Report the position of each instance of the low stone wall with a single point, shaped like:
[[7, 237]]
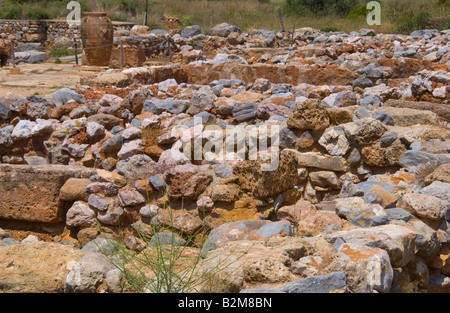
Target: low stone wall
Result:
[[44, 30]]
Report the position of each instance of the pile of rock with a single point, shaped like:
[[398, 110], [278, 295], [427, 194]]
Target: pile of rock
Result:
[[357, 200]]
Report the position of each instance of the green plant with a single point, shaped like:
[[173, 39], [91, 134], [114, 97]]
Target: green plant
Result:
[[419, 21], [57, 53], [165, 266], [187, 20], [329, 29], [37, 14], [12, 12], [358, 12], [320, 7]]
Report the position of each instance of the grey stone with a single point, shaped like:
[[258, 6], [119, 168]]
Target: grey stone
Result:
[[244, 112], [362, 82], [334, 282], [30, 239], [202, 101], [131, 133], [387, 139], [354, 158], [384, 117], [157, 181], [105, 246], [223, 30], [31, 56], [335, 142], [159, 32], [155, 106], [77, 151], [101, 203], [287, 138], [349, 190], [273, 229], [112, 216], [149, 211], [371, 101], [223, 170], [130, 197], [362, 113], [439, 190], [228, 58], [362, 214], [367, 32], [412, 159], [398, 214], [325, 179], [191, 31], [35, 160], [22, 130], [64, 95], [95, 131], [205, 116], [176, 106], [166, 239], [5, 134], [80, 214], [138, 166], [9, 242], [107, 188], [129, 149], [113, 144]]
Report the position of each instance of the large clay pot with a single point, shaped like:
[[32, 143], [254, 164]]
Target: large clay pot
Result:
[[97, 35]]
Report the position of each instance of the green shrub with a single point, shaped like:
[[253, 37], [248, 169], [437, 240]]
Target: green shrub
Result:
[[12, 12], [358, 12], [38, 14], [420, 21], [329, 29], [57, 53], [320, 7]]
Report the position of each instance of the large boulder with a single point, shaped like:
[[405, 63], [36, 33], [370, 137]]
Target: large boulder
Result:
[[262, 184], [42, 267], [26, 198], [223, 30], [310, 114]]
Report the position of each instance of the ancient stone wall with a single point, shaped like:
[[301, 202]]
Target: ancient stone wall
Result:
[[44, 30]]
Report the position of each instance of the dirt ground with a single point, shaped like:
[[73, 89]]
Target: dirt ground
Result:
[[40, 79]]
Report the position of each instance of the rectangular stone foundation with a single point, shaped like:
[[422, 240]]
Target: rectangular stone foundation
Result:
[[31, 193]]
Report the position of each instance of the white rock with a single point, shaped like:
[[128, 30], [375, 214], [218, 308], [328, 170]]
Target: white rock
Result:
[[335, 142]]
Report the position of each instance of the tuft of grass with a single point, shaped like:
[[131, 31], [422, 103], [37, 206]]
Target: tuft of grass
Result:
[[419, 21], [165, 266], [57, 53]]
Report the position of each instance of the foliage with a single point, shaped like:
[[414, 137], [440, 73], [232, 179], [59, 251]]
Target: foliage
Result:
[[419, 21], [320, 7], [37, 14], [165, 266]]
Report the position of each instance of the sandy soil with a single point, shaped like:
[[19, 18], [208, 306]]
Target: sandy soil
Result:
[[40, 79]]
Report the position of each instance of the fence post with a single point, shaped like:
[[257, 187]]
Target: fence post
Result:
[[292, 39], [76, 50], [146, 13], [169, 48], [13, 55], [121, 53], [281, 19]]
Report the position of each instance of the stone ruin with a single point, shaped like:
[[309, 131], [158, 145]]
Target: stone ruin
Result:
[[359, 201]]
